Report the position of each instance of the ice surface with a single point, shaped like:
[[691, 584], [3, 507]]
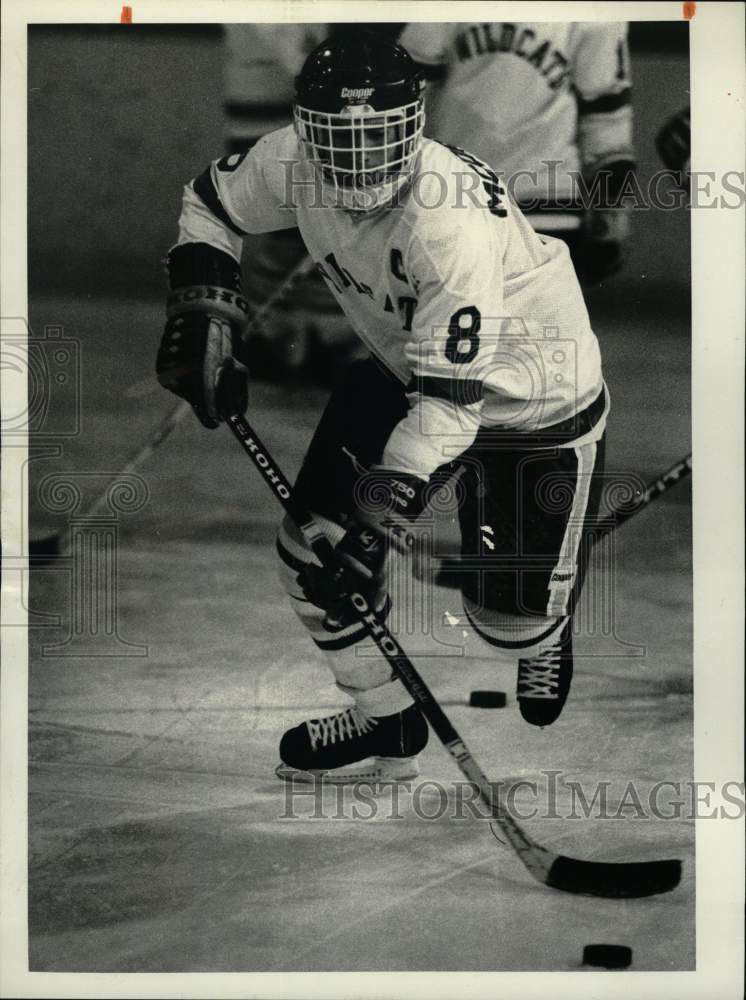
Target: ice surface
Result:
[[157, 837]]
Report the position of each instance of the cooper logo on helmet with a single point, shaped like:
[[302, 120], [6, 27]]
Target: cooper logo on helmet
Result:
[[331, 84], [356, 93]]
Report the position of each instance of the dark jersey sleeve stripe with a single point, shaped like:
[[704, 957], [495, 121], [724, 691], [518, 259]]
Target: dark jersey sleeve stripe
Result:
[[605, 104], [462, 392], [204, 187]]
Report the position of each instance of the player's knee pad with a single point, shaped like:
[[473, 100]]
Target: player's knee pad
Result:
[[514, 635]]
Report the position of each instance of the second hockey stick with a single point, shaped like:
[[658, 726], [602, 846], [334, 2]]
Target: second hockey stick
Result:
[[621, 880], [448, 571]]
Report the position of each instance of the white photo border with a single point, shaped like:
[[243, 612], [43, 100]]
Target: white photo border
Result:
[[718, 82]]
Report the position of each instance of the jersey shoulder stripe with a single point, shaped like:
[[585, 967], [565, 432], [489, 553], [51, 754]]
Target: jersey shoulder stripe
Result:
[[204, 187]]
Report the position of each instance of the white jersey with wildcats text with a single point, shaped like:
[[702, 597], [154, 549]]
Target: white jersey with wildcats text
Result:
[[525, 96], [481, 319]]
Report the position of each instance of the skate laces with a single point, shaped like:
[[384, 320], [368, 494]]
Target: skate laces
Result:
[[338, 728], [538, 677]]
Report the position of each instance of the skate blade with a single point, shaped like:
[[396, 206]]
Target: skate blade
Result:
[[378, 770]]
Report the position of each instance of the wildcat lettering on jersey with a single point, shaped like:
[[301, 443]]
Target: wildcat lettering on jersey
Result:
[[540, 102], [518, 39]]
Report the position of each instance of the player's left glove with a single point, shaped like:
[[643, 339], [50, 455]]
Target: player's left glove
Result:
[[606, 226], [387, 502]]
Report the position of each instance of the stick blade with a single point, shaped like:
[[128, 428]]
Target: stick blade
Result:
[[622, 880]]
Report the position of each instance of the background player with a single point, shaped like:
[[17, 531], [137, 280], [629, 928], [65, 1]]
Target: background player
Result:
[[425, 275], [541, 102]]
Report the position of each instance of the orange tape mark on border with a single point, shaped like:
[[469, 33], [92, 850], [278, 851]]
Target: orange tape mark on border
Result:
[[690, 9], [126, 16]]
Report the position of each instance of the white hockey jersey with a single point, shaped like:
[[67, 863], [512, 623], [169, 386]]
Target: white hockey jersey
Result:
[[537, 101], [481, 319]]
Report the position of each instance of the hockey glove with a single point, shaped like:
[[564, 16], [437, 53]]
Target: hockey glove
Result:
[[363, 553], [603, 245], [206, 311], [387, 502], [606, 224]]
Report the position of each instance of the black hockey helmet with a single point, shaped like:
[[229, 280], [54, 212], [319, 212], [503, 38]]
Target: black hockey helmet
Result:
[[354, 71], [359, 112]]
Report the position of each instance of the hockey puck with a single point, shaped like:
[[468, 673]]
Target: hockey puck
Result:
[[607, 956], [487, 699]]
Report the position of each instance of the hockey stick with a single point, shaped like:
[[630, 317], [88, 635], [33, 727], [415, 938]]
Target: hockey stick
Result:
[[448, 570], [652, 492], [51, 545], [623, 880]]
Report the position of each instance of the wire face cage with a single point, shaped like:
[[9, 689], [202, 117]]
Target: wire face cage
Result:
[[363, 155]]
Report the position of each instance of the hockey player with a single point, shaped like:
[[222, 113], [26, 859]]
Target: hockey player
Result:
[[483, 359], [549, 105]]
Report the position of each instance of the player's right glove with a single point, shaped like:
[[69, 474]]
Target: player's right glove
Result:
[[199, 353]]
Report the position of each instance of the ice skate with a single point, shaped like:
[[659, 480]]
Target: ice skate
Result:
[[544, 681], [352, 746]]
